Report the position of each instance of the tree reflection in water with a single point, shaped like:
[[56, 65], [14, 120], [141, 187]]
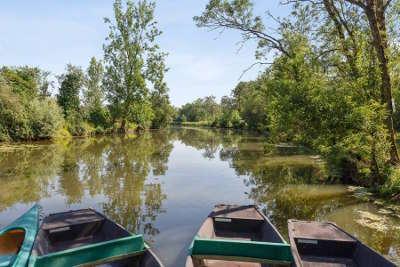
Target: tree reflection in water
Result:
[[117, 168], [127, 178]]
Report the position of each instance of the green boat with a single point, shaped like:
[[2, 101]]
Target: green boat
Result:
[[86, 238], [234, 236], [17, 239]]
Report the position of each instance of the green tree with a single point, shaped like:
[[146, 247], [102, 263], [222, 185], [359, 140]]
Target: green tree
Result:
[[230, 117], [23, 81], [71, 84], [201, 109], [26, 114], [251, 100], [375, 12], [45, 85], [94, 95], [328, 85], [161, 106], [133, 60], [162, 109]]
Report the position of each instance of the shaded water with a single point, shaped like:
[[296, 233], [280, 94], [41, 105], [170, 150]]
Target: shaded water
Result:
[[164, 183]]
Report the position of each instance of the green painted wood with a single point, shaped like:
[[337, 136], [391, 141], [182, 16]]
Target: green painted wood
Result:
[[29, 222], [238, 249], [98, 252], [7, 260]]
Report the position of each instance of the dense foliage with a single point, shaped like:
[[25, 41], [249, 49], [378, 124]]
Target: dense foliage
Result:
[[125, 90], [134, 62], [95, 110], [25, 113], [329, 85]]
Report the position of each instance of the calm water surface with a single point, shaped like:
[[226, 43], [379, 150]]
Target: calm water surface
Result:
[[164, 183]]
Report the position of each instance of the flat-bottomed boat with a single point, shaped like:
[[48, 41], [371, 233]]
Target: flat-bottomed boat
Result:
[[233, 236], [88, 238]]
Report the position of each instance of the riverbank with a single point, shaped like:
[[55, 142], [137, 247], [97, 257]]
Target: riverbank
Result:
[[207, 124]]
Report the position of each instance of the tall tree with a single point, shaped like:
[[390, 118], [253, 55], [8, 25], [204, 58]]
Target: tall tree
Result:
[[45, 85], [93, 93], [350, 16], [130, 54], [341, 46], [370, 17], [375, 11], [161, 106], [95, 110], [71, 84]]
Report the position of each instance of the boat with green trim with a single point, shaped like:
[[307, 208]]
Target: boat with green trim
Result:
[[88, 238], [238, 236], [16, 240]]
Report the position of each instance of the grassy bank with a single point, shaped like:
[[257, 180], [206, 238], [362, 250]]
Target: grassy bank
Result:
[[195, 123]]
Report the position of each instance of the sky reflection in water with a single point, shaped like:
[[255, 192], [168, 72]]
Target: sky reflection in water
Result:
[[164, 183]]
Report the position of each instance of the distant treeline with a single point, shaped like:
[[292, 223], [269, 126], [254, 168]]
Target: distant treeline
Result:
[[125, 90], [244, 109]]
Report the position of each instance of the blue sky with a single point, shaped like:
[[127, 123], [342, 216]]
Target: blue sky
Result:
[[50, 34]]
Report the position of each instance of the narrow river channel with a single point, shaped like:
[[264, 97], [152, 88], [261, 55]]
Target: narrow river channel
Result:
[[164, 183]]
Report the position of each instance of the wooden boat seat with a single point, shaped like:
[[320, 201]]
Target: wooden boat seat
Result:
[[324, 244], [320, 231], [59, 220], [222, 263], [236, 212], [73, 228], [309, 261], [234, 222], [323, 240]]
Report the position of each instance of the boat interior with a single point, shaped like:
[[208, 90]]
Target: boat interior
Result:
[[235, 223], [324, 244], [147, 259], [11, 241], [238, 223], [10, 244], [73, 229]]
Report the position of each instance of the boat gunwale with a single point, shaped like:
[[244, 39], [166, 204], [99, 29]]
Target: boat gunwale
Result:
[[122, 257], [90, 246], [30, 232], [240, 258]]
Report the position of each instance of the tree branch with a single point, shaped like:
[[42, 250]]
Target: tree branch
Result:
[[251, 66], [359, 3], [386, 4]]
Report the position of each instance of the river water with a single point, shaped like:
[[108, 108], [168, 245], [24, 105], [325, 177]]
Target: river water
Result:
[[164, 183]]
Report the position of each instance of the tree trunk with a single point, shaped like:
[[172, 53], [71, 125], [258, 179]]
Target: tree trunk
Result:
[[374, 167], [375, 11], [122, 128]]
